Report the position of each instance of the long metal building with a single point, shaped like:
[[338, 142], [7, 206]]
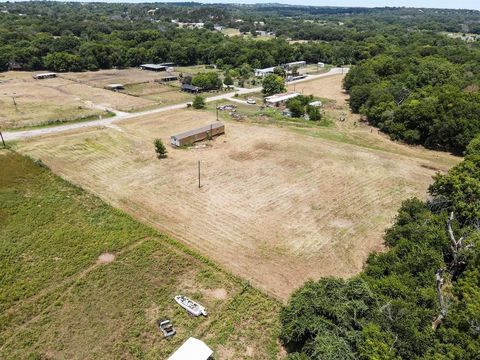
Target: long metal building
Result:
[[199, 134]]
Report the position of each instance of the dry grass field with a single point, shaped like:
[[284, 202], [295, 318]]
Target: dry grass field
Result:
[[329, 87], [42, 101], [278, 204], [81, 280]]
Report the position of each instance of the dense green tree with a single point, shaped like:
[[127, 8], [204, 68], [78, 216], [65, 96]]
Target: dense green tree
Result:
[[273, 84], [160, 148], [208, 80]]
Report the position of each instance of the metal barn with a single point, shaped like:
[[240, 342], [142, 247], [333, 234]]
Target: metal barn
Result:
[[199, 134]]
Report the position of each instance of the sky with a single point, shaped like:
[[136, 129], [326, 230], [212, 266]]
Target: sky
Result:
[[450, 4]]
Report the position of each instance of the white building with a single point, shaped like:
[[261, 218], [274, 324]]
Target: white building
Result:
[[264, 72], [192, 349], [320, 64], [295, 63], [277, 99]]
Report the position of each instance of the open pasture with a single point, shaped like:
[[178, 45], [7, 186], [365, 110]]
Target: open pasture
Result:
[[276, 206], [40, 102], [81, 280]]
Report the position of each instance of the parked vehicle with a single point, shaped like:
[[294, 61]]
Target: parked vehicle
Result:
[[251, 101], [166, 327]]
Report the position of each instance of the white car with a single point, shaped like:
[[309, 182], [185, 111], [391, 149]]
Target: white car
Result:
[[251, 101]]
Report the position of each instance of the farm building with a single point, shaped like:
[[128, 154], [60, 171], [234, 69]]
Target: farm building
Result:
[[192, 349], [264, 72], [168, 78], [153, 67], [45, 76], [114, 87], [278, 99], [167, 64], [199, 134], [190, 88], [295, 63]]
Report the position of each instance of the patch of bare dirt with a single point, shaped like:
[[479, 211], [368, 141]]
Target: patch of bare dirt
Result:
[[105, 258]]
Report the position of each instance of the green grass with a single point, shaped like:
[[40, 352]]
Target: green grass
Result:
[[57, 302]]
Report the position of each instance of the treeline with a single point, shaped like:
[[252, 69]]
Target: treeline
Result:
[[418, 300], [423, 93], [89, 36]]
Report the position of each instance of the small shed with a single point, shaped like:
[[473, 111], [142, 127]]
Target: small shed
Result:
[[42, 76], [199, 134], [190, 88], [321, 65], [295, 63], [115, 87], [168, 78], [153, 67], [192, 349], [316, 103]]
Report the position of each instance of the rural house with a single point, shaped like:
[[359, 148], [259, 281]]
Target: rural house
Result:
[[192, 349], [153, 67], [199, 134], [190, 88], [279, 99]]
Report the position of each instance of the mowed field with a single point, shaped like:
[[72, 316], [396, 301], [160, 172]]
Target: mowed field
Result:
[[278, 205], [39, 102], [81, 280]]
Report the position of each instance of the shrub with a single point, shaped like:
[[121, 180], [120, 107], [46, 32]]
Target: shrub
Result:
[[160, 148], [198, 102]]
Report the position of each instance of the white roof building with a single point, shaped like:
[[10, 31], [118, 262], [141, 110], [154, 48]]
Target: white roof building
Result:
[[192, 349], [279, 98], [264, 72]]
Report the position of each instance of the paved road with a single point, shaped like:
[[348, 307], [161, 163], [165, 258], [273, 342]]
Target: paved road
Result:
[[119, 116]]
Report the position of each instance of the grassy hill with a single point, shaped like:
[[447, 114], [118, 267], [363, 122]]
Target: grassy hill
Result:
[[60, 298]]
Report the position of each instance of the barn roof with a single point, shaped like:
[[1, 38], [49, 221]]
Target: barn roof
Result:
[[281, 97], [199, 130]]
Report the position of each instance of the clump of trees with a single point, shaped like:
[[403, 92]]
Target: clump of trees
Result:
[[428, 100], [160, 148], [418, 300], [198, 102], [208, 80], [299, 106], [273, 84]]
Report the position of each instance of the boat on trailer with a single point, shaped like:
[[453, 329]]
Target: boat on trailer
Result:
[[191, 306]]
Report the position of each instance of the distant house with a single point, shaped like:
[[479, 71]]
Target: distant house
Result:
[[295, 63], [278, 99], [264, 72], [42, 76], [199, 134], [114, 87], [190, 88], [192, 349], [153, 67]]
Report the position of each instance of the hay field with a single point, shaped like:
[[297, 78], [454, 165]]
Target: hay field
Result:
[[329, 87], [277, 206], [81, 280], [42, 101], [101, 78]]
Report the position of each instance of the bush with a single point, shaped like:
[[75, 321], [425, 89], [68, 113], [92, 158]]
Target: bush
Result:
[[198, 102], [314, 113], [160, 148]]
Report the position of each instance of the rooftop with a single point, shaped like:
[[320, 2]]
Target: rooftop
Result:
[[192, 349], [199, 130], [281, 97]]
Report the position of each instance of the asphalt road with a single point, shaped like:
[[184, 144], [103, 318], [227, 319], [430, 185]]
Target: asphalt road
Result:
[[119, 116]]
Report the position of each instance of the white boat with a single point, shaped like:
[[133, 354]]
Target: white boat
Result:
[[191, 306]]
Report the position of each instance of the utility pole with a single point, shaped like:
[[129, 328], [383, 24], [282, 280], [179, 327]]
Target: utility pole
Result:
[[199, 185], [216, 107], [3, 141]]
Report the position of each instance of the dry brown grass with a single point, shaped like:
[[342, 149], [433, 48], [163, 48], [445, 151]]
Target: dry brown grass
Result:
[[42, 101], [277, 206]]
